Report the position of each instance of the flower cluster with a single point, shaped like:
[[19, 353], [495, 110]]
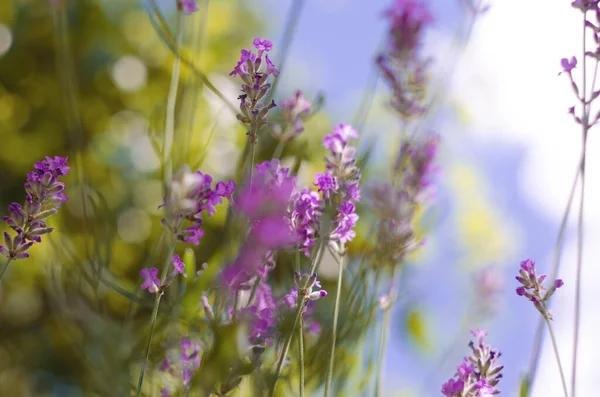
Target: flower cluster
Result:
[[396, 204], [339, 183], [396, 212], [265, 203], [44, 197], [305, 284], [415, 165], [304, 219], [192, 194], [478, 374], [294, 111], [401, 64], [586, 7], [532, 288], [183, 366], [150, 275], [255, 86]]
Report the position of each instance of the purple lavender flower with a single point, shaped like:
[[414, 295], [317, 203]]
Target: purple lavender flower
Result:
[[478, 374], [190, 197], [326, 183], [341, 180], [302, 293], [255, 86], [401, 64], [187, 6], [294, 111], [44, 197], [532, 288], [304, 219], [178, 265], [568, 65], [151, 280], [453, 388]]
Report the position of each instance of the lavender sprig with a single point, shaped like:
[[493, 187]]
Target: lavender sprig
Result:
[[255, 86], [532, 289], [44, 197], [478, 374]]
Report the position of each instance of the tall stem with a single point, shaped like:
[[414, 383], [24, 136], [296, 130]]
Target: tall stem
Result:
[[585, 127], [537, 343], [381, 355], [4, 270], [383, 337], [301, 355], [286, 347], [336, 312], [170, 114], [147, 353], [555, 347]]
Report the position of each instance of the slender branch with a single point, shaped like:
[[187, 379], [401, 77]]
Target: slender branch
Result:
[[167, 177], [384, 335], [555, 347], [585, 128], [537, 343], [287, 344], [336, 312], [279, 150], [147, 353], [4, 270], [301, 355]]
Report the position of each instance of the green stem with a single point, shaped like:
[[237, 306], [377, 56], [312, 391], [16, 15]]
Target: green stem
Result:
[[286, 347], [585, 127], [301, 354], [252, 154], [170, 114], [279, 150], [381, 354], [147, 354], [336, 312], [537, 344], [383, 338], [555, 347], [4, 270]]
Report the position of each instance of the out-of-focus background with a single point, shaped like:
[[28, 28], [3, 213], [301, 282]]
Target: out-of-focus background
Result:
[[508, 158]]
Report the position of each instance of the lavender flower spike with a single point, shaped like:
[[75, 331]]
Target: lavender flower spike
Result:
[[44, 197], [532, 288], [255, 86], [478, 374]]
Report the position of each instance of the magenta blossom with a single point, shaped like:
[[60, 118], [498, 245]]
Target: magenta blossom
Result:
[[151, 281], [178, 265]]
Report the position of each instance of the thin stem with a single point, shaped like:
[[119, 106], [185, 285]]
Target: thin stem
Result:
[[301, 355], [537, 344], [279, 150], [381, 355], [555, 347], [252, 154], [147, 354], [171, 104], [383, 337], [4, 270], [336, 312], [286, 347], [585, 127], [579, 266]]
